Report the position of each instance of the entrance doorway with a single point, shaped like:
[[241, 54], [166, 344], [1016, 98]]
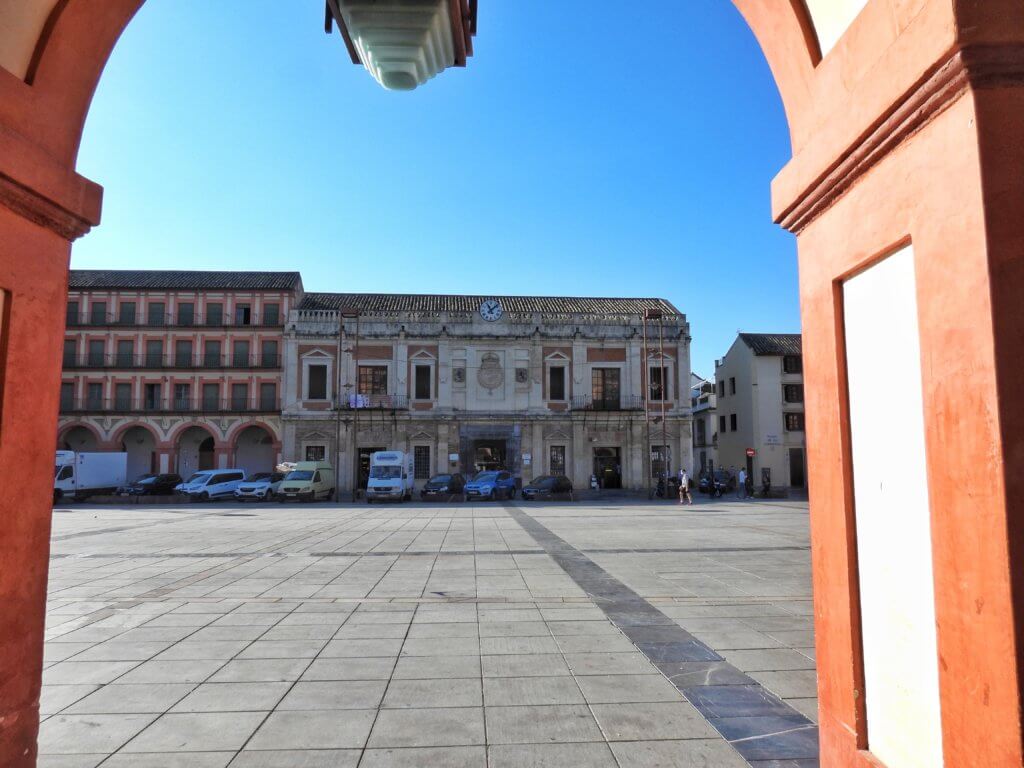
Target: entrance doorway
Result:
[[796, 468], [489, 455], [608, 467], [196, 451], [364, 465]]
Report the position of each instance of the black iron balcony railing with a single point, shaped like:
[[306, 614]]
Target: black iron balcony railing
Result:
[[116, 405], [172, 361], [375, 403], [620, 403], [104, 320]]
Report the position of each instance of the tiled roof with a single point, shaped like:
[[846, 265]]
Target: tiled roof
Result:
[[773, 343], [137, 279], [411, 302]]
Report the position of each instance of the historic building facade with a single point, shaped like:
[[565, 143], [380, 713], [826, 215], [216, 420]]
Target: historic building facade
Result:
[[533, 385], [182, 370]]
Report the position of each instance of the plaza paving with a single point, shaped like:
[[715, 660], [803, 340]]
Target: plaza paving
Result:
[[593, 634]]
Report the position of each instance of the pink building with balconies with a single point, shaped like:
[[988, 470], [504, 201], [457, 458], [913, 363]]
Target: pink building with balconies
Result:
[[182, 370]]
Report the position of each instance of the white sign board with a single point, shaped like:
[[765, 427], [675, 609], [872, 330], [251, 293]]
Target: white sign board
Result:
[[527, 458], [453, 457]]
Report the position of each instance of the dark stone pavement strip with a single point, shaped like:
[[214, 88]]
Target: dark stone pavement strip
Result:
[[766, 731]]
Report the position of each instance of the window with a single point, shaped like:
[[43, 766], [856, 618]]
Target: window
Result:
[[721, 388], [794, 422], [271, 314], [316, 382], [240, 354], [556, 460], [700, 436], [316, 453], [661, 460], [373, 380], [125, 353], [154, 353], [183, 353], [732, 422], [69, 352], [96, 347], [556, 382], [71, 313], [239, 397], [793, 393], [421, 462], [268, 354], [122, 397], [659, 383], [211, 354], [424, 378], [721, 423], [67, 396], [793, 364], [126, 313], [605, 388], [151, 397], [732, 385], [268, 396], [156, 313], [215, 314], [182, 397], [211, 396], [243, 314], [98, 312], [186, 313]]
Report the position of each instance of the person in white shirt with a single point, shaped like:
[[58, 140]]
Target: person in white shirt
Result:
[[684, 488], [741, 484]]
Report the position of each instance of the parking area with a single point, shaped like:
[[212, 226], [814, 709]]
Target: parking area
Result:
[[612, 633]]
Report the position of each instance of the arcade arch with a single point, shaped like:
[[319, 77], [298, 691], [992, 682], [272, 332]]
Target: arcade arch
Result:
[[195, 450]]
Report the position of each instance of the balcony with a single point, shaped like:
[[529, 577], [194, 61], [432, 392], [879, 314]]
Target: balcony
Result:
[[607, 404], [163, 406], [90, 320], [375, 403], [172, 362]]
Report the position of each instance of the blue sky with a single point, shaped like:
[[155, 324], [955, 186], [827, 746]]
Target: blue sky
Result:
[[581, 153]]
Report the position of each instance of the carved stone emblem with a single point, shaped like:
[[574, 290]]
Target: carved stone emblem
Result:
[[490, 375], [522, 375], [459, 375]]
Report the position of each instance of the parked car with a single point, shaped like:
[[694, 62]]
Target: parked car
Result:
[[547, 487], [260, 486], [724, 482], [150, 485], [211, 484], [443, 485], [309, 481], [491, 485]]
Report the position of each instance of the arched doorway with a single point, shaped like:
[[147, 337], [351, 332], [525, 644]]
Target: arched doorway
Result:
[[140, 445], [255, 450], [80, 439], [196, 450], [924, 99]]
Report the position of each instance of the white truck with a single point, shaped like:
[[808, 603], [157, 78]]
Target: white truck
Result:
[[391, 477], [77, 475]]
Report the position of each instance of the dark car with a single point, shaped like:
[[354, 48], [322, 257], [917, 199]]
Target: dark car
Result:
[[150, 485], [547, 487], [724, 482], [443, 485]]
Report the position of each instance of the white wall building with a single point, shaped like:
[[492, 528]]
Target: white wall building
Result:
[[760, 406], [703, 401]]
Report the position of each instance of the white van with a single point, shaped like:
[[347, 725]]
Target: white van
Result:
[[82, 474], [309, 481], [391, 477], [211, 484]]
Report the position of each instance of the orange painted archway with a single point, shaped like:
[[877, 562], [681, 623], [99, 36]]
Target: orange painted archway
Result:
[[906, 131]]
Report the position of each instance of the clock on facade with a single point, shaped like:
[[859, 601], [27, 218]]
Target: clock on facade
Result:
[[490, 310]]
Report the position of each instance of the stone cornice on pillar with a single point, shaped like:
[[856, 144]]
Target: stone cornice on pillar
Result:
[[971, 68], [42, 211]]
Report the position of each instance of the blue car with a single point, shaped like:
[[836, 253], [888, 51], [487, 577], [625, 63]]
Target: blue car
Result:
[[491, 486]]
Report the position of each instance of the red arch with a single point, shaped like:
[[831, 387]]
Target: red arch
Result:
[[175, 437], [62, 432], [233, 434], [118, 435]]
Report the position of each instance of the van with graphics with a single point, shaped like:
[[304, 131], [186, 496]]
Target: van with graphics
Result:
[[391, 477]]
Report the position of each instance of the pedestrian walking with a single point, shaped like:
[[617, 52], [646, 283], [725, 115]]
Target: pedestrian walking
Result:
[[741, 484], [684, 488]]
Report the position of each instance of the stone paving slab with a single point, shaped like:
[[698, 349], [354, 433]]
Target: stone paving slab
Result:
[[627, 634]]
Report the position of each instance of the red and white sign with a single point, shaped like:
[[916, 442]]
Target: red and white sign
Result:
[[751, 453]]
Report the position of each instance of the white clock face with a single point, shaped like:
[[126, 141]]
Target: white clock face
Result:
[[490, 310]]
